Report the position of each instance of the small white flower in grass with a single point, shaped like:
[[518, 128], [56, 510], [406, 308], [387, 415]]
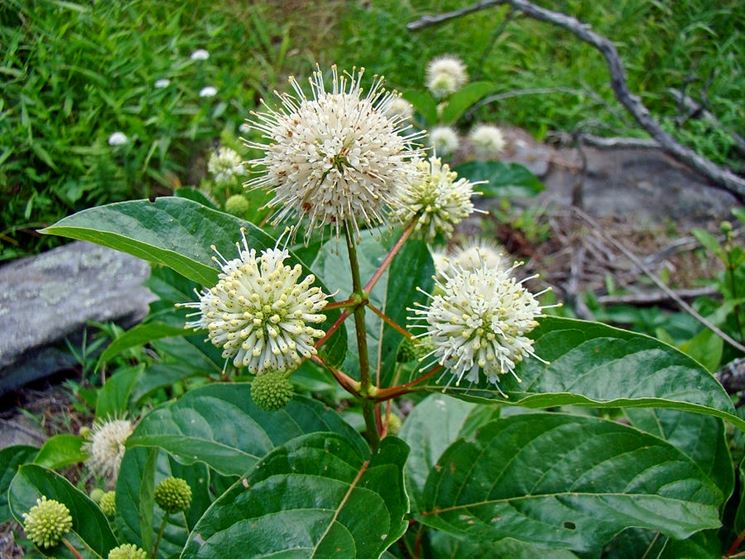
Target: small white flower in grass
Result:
[[225, 165], [444, 140], [200, 54], [445, 75], [261, 310], [160, 84], [106, 446], [437, 199], [118, 139], [208, 91], [487, 141], [402, 108], [479, 322], [336, 157], [244, 128]]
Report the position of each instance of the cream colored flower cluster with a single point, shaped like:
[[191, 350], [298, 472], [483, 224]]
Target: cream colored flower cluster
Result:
[[445, 75], [336, 157], [261, 310], [478, 322], [225, 165]]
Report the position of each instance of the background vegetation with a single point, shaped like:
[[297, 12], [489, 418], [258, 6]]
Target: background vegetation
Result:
[[73, 73]]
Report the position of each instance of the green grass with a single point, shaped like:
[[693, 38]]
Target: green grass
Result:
[[72, 73]]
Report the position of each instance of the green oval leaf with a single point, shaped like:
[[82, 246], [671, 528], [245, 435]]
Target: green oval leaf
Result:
[[461, 100], [597, 365], [424, 103], [220, 426], [10, 459], [91, 534], [60, 451], [502, 179], [566, 481], [316, 496], [178, 233]]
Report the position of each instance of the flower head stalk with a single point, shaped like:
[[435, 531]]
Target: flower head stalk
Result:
[[261, 311], [336, 157]]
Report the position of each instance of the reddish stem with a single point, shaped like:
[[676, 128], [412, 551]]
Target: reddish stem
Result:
[[334, 327], [394, 391], [341, 304], [389, 321], [346, 382], [389, 258], [735, 544], [74, 551]]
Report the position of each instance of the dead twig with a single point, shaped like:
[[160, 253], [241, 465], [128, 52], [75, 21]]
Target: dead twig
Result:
[[722, 177]]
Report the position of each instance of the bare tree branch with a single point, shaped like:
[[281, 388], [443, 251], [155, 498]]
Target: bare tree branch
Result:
[[655, 297], [719, 176]]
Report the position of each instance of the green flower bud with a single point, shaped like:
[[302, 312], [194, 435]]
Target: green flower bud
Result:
[[127, 551], [406, 351], [47, 522], [173, 494], [394, 424], [237, 205], [108, 503], [85, 432], [271, 391], [726, 227], [96, 495]]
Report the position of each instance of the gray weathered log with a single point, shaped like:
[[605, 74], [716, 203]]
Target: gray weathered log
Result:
[[723, 178]]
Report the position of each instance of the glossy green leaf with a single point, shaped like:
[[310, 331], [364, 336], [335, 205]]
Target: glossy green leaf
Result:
[[220, 426], [316, 496], [597, 365], [10, 459], [177, 233], [163, 375], [461, 100], [431, 427], [194, 195], [139, 518], [424, 103], [640, 543], [566, 481], [706, 348], [91, 534], [702, 438], [140, 335], [446, 546], [113, 396], [502, 179], [60, 451]]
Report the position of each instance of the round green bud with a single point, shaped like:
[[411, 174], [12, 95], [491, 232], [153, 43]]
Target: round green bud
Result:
[[726, 227], [237, 205], [85, 432], [394, 424], [127, 551], [96, 495], [108, 503], [271, 391], [406, 351], [423, 347], [173, 494], [47, 522]]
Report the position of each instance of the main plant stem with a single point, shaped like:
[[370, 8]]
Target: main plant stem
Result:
[[160, 535], [368, 405]]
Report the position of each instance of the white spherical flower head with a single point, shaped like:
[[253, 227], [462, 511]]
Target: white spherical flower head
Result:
[[446, 75], [200, 54], [118, 139], [225, 165], [437, 199], [336, 157], [479, 322], [444, 140], [401, 108], [480, 252], [106, 446], [208, 91], [261, 310], [160, 84], [487, 141]]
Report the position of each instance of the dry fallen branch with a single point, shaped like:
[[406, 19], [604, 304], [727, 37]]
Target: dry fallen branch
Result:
[[722, 177], [656, 297]]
